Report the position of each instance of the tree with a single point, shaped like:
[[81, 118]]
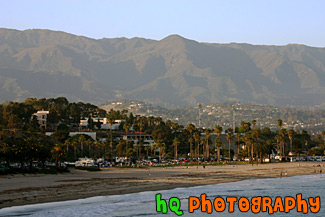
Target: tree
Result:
[[111, 118], [120, 148], [126, 128], [6, 152], [239, 131], [141, 124], [218, 145], [89, 143], [81, 140], [230, 138], [58, 153], [147, 148], [74, 144], [207, 148], [249, 140], [90, 123], [218, 130], [282, 141], [175, 144], [196, 137], [290, 135], [161, 147], [279, 124], [254, 123], [160, 135], [190, 129], [61, 135]]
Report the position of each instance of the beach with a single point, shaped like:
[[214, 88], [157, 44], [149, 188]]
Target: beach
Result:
[[39, 188]]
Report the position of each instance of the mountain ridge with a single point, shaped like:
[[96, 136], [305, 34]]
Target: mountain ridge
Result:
[[174, 71]]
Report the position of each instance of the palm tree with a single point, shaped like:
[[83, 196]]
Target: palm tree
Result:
[[67, 146], [257, 134], [207, 148], [230, 137], [247, 126], [290, 135], [82, 139], [89, 142], [277, 138], [74, 144], [175, 144], [238, 139], [141, 123], [279, 124], [196, 137], [58, 153], [282, 133], [155, 146], [160, 146], [111, 118], [174, 127], [249, 140], [218, 145], [190, 129], [120, 148], [147, 148], [218, 130], [203, 142], [126, 127]]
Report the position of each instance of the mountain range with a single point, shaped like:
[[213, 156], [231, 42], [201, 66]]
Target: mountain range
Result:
[[172, 71]]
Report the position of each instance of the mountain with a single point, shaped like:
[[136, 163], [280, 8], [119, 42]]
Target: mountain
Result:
[[172, 71]]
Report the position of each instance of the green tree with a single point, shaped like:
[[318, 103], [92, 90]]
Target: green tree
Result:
[[290, 135], [175, 144], [58, 153], [111, 118], [207, 147], [218, 145], [196, 136], [191, 128], [126, 128], [230, 138]]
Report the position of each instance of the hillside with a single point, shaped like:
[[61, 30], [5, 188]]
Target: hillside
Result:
[[223, 114], [173, 71]]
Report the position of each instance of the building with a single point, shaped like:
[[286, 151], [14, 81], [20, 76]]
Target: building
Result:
[[41, 117], [104, 125], [146, 139]]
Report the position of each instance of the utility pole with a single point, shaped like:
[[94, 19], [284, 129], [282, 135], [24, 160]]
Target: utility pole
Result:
[[234, 118]]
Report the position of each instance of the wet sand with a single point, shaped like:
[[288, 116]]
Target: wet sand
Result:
[[32, 189]]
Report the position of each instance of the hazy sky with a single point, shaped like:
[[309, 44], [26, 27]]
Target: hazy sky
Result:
[[275, 22]]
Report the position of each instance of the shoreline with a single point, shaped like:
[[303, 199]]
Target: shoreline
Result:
[[16, 190]]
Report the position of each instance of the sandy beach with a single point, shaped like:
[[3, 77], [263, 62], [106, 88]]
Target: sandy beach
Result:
[[31, 189]]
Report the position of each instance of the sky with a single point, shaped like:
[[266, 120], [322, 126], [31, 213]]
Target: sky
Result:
[[268, 22]]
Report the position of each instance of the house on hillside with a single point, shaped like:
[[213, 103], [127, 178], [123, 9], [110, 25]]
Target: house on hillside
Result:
[[41, 117]]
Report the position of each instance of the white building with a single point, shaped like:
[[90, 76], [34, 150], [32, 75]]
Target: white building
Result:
[[42, 118], [146, 139], [104, 123]]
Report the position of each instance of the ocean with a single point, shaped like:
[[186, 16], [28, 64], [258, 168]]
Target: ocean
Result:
[[144, 203]]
